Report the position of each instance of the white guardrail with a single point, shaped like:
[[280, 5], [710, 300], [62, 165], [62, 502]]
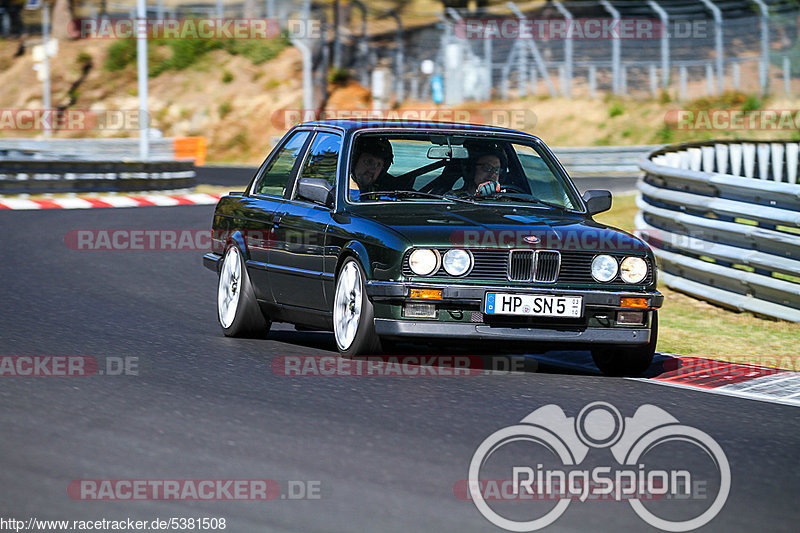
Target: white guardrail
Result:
[[723, 219]]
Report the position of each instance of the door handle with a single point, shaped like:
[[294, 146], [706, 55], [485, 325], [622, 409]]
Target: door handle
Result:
[[276, 221]]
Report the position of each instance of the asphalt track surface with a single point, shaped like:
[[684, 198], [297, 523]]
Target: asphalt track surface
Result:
[[386, 451]]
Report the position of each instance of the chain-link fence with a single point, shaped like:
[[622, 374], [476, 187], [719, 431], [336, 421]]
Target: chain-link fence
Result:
[[639, 48]]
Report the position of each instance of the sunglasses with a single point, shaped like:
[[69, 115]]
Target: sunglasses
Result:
[[489, 168]]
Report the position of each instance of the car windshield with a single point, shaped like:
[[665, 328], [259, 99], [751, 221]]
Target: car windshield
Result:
[[456, 168]]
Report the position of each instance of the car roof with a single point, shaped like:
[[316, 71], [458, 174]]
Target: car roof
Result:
[[353, 125]]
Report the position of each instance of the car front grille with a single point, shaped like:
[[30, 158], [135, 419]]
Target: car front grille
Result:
[[547, 264], [538, 266], [520, 265]]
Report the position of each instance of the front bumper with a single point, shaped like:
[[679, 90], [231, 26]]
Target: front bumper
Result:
[[453, 330], [212, 261], [460, 315]]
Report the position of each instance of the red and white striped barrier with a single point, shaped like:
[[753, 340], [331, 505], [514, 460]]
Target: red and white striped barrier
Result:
[[89, 202]]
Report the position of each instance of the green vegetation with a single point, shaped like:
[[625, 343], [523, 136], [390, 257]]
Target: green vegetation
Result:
[[180, 54], [84, 59], [616, 109], [227, 76], [338, 76], [752, 103], [665, 134], [224, 109]]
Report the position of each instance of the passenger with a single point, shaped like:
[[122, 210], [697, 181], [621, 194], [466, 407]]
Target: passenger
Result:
[[373, 158]]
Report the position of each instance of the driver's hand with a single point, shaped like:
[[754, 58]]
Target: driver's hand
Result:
[[487, 187]]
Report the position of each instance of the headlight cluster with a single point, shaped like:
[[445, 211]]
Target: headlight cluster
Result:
[[632, 269], [426, 261]]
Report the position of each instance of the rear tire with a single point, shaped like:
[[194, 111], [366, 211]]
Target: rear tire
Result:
[[353, 315], [631, 362], [238, 312]]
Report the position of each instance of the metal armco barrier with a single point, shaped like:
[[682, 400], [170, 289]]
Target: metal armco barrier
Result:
[[606, 161], [723, 218], [163, 149], [36, 176]]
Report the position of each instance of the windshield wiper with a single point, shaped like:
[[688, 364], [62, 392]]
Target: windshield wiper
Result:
[[521, 196], [415, 194]]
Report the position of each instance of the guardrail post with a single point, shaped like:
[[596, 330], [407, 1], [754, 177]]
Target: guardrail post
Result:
[[615, 47], [717, 42], [623, 80], [46, 65], [534, 50], [653, 81], [664, 42], [683, 82], [488, 62], [763, 64], [592, 81], [142, 74], [787, 75], [399, 57], [566, 88], [736, 76], [709, 79], [522, 72]]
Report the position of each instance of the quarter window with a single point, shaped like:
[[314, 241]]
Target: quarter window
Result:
[[323, 157], [275, 177]]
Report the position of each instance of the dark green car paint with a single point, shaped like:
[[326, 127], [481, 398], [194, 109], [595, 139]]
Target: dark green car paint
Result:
[[293, 249]]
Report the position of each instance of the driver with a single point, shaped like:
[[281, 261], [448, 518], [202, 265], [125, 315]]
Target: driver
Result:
[[482, 175], [373, 156]]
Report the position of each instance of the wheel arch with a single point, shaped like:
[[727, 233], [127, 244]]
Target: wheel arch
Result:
[[236, 238], [356, 250]]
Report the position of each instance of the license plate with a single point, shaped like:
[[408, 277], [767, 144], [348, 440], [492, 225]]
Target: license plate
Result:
[[499, 303]]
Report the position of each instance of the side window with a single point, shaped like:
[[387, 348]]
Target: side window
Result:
[[273, 180], [323, 157]]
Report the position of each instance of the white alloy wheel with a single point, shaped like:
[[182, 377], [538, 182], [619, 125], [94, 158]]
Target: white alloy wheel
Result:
[[230, 287], [347, 305]]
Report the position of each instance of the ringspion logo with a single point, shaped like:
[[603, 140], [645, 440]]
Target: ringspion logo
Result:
[[549, 457]]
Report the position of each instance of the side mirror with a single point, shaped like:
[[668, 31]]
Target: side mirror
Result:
[[597, 201], [315, 190]]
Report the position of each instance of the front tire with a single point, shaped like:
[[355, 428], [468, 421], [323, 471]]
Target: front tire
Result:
[[238, 312], [631, 362], [353, 315]]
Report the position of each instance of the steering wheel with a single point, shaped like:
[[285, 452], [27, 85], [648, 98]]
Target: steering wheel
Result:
[[496, 189], [512, 188]]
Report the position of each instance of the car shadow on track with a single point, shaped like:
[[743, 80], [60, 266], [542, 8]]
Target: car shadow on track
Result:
[[482, 357]]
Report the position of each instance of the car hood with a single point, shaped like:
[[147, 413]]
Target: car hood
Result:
[[498, 226]]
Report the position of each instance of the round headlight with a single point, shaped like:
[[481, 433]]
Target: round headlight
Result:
[[424, 261], [604, 268], [457, 262], [633, 269]]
